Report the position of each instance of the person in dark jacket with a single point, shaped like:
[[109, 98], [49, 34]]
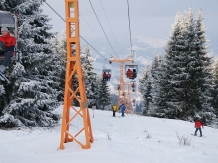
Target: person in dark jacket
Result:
[[108, 76], [198, 125], [7, 45], [123, 108]]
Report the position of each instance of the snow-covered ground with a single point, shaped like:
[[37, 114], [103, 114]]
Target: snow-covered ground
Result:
[[129, 139]]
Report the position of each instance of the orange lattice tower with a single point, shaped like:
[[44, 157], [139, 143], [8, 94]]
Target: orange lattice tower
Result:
[[74, 85], [121, 91]]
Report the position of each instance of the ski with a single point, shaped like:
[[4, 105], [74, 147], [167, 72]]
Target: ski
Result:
[[198, 136], [3, 78]]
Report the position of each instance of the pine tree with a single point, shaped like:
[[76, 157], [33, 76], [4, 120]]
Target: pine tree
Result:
[[147, 97], [32, 97], [89, 75], [168, 85], [157, 75], [204, 73], [215, 90], [187, 80], [142, 82], [104, 95]]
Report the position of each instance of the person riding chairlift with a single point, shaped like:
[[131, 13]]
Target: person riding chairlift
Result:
[[129, 73], [133, 85], [134, 73], [108, 76], [104, 76], [7, 45]]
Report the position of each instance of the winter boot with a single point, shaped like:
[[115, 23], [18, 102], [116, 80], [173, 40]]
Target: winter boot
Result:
[[2, 69]]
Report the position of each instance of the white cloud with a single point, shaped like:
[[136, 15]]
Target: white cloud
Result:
[[154, 43], [136, 48], [142, 60]]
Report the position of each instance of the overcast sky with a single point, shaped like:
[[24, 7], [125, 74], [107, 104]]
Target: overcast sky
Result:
[[151, 24]]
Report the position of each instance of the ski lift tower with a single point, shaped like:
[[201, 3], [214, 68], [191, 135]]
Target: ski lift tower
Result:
[[128, 102], [121, 90], [74, 84]]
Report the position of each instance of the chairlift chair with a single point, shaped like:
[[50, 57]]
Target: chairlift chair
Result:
[[133, 69], [133, 102], [10, 20], [105, 74], [118, 87], [133, 83]]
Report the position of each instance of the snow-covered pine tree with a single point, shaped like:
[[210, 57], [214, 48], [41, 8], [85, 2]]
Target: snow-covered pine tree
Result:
[[147, 97], [142, 88], [160, 110], [188, 76], [104, 98], [203, 74], [215, 93], [33, 95], [157, 75], [142, 81], [89, 75], [215, 90], [56, 65], [167, 94], [95, 89]]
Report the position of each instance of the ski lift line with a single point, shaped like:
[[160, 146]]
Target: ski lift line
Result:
[[55, 11], [82, 37], [129, 26], [102, 28], [94, 33], [110, 27], [73, 29]]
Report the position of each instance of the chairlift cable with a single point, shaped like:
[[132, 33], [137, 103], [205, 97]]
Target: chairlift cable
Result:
[[73, 29], [102, 27], [94, 33], [129, 26], [110, 27], [81, 37]]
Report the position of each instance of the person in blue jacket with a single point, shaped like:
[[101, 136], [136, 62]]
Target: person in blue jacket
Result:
[[123, 108]]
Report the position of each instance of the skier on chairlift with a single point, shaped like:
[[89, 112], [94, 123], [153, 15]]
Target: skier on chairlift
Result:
[[7, 45], [108, 76], [129, 73], [104, 76]]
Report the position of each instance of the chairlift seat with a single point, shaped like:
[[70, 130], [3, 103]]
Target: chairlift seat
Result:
[[106, 70], [7, 19]]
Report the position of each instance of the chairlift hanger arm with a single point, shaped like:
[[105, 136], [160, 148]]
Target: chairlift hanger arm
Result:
[[128, 59]]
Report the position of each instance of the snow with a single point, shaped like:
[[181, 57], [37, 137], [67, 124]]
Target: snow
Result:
[[116, 140]]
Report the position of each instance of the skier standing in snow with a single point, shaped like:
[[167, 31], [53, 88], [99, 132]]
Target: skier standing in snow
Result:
[[198, 125], [123, 108], [114, 108]]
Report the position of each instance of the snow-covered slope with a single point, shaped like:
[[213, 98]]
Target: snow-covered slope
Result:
[[129, 139]]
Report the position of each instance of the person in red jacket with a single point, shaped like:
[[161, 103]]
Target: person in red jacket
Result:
[[129, 73], [7, 45], [104, 76], [198, 125]]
